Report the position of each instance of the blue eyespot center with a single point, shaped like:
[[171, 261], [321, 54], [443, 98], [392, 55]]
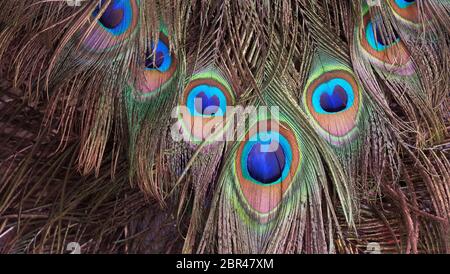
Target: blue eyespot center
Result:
[[266, 158], [206, 105], [159, 58], [379, 41], [266, 166], [206, 101], [403, 4], [333, 96], [117, 16], [334, 102], [154, 63], [112, 16], [386, 40]]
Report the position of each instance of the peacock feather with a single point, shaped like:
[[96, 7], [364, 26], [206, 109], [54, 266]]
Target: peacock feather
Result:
[[168, 126]]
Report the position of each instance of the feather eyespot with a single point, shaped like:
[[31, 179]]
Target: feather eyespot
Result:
[[115, 24], [116, 18], [406, 10], [159, 58], [266, 162], [333, 99], [383, 46], [157, 70], [203, 107]]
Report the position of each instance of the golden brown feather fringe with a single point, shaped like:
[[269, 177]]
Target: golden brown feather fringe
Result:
[[67, 173]]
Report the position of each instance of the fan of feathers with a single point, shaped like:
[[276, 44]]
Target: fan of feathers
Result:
[[104, 141]]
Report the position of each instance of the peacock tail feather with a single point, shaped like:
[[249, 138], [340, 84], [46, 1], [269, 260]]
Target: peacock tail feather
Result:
[[168, 126]]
